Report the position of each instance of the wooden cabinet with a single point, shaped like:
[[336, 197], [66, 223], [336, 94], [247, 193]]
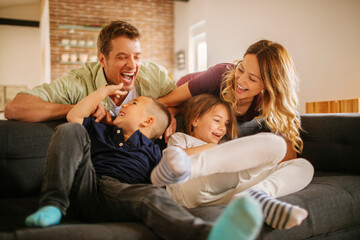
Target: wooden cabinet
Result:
[[335, 106]]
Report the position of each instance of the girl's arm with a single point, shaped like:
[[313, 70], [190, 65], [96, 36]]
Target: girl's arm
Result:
[[89, 104], [195, 150]]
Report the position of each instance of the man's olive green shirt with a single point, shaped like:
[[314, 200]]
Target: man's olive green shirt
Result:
[[152, 80]]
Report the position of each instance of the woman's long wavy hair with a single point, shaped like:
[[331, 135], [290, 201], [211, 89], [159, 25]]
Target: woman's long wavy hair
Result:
[[280, 98], [199, 105]]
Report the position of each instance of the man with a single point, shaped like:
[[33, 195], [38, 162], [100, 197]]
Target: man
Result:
[[119, 55]]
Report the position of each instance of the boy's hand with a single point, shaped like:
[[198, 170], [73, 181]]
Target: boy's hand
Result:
[[116, 90], [100, 113]]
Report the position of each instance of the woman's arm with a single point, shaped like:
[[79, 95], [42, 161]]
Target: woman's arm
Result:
[[176, 97]]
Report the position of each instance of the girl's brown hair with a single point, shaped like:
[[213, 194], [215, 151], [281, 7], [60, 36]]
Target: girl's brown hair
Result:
[[199, 105]]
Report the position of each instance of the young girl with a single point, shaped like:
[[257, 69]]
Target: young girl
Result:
[[215, 173]]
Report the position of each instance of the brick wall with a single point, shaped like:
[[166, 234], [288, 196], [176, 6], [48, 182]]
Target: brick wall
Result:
[[153, 18]]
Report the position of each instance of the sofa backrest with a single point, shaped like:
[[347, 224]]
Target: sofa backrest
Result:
[[23, 148]]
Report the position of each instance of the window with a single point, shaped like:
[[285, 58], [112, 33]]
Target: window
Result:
[[197, 47]]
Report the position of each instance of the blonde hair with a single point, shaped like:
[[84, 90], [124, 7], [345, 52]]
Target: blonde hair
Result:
[[280, 99], [201, 104]]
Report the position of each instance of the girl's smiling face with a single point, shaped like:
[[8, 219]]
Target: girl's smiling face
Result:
[[211, 126]]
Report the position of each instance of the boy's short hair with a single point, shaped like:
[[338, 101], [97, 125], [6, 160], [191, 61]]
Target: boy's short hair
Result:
[[162, 117], [113, 30]]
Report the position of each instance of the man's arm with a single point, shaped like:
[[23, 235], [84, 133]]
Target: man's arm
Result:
[[29, 108], [90, 103]]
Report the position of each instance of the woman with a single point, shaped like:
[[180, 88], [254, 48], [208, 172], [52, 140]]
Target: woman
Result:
[[262, 85]]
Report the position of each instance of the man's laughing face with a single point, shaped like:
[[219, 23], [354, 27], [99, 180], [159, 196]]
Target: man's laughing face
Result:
[[123, 62]]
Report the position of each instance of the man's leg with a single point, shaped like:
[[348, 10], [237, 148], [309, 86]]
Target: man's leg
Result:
[[68, 156]]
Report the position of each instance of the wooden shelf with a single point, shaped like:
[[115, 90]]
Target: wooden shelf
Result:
[[83, 28], [77, 45], [335, 106]]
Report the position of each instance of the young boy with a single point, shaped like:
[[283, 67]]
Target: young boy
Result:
[[104, 170]]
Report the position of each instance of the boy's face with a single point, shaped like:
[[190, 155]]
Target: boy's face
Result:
[[123, 62], [132, 114]]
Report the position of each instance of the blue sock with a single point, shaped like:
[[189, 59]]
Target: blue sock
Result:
[[44, 217], [241, 220]]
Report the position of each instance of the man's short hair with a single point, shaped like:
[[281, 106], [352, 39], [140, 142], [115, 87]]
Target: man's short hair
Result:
[[113, 30]]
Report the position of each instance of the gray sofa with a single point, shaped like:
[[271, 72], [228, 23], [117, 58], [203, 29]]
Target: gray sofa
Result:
[[331, 143]]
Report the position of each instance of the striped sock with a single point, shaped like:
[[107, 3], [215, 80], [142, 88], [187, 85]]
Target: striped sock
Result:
[[174, 167], [278, 214]]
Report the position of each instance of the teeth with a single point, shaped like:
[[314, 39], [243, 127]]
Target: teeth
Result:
[[242, 88], [128, 74], [121, 114]]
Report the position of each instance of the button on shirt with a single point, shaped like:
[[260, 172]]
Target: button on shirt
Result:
[[128, 161]]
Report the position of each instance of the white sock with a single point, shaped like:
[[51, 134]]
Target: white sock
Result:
[[174, 167], [278, 214]]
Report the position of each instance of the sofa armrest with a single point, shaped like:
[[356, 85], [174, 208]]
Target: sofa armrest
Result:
[[332, 141]]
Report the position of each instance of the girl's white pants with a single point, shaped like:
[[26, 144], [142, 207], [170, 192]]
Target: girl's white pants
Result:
[[221, 173]]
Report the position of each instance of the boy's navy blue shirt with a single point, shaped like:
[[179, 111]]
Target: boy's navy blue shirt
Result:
[[128, 161]]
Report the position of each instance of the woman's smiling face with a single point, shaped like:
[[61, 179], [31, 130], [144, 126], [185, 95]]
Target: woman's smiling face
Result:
[[248, 82]]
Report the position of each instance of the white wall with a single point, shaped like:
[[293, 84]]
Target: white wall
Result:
[[20, 47], [323, 37]]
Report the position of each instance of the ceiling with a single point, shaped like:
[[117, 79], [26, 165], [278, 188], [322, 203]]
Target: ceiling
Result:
[[7, 3]]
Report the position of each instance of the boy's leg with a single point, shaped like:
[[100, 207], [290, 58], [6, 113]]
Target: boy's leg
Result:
[[68, 156], [241, 220], [257, 152], [154, 207]]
